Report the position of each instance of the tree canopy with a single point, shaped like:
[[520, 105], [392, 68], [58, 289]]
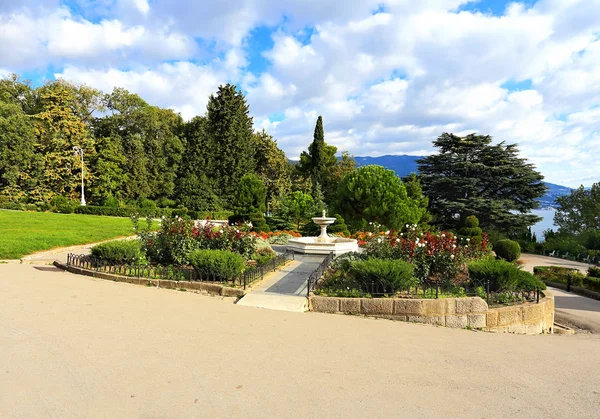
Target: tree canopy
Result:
[[376, 194], [470, 176], [579, 211]]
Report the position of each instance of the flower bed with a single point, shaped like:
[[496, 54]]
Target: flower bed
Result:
[[416, 264]]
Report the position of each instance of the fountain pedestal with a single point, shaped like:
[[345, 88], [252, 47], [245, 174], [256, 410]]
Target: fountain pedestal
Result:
[[323, 245]]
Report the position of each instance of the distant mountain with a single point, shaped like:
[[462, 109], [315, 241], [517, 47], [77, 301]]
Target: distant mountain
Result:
[[404, 165]]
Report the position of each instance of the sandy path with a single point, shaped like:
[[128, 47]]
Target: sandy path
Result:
[[76, 347]]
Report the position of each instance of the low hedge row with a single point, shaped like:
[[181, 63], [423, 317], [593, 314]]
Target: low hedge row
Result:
[[120, 252], [121, 211], [561, 275], [503, 276]]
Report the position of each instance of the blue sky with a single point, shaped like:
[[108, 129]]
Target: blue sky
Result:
[[387, 76]]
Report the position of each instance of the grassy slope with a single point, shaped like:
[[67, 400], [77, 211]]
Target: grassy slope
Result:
[[22, 233]]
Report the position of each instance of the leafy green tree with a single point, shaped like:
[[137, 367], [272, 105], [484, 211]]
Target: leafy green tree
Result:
[[469, 176], [250, 196], [579, 211], [335, 174], [415, 192], [297, 207], [18, 160], [150, 140], [376, 194], [58, 130], [229, 129], [108, 166], [19, 92], [273, 167]]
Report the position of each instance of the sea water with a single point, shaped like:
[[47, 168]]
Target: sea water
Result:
[[546, 223]]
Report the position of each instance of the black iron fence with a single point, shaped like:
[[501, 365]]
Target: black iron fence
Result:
[[314, 278], [468, 289], [176, 273]]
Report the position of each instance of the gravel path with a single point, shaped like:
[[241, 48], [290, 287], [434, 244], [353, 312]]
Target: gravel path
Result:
[[76, 347]]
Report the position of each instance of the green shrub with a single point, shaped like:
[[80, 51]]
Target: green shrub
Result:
[[503, 276], [12, 206], [594, 271], [508, 250], [218, 265], [263, 255], [394, 275], [470, 227], [63, 205], [339, 226], [559, 275], [147, 204], [111, 202], [280, 239], [310, 229], [165, 203], [30, 207], [258, 223], [120, 252], [276, 223], [592, 283], [106, 211]]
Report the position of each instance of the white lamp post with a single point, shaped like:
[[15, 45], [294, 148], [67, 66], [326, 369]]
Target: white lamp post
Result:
[[79, 152]]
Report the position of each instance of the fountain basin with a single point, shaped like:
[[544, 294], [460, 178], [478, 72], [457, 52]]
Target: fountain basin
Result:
[[323, 246]]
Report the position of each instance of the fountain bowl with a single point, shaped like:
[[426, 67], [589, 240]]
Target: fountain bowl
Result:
[[323, 245], [318, 246]]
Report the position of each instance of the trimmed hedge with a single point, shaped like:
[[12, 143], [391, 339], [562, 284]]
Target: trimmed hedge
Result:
[[503, 276], [594, 271], [120, 252], [395, 275], [508, 250], [217, 265], [559, 275]]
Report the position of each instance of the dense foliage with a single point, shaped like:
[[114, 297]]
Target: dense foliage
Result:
[[470, 176], [579, 211], [376, 194], [120, 252], [508, 250], [217, 265], [503, 276]]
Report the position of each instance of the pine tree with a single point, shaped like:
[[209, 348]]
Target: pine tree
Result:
[[469, 176], [230, 146]]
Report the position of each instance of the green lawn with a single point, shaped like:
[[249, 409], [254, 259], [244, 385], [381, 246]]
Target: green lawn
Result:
[[22, 233]]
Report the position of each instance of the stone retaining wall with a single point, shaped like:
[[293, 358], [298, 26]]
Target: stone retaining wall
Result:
[[530, 318], [204, 287]]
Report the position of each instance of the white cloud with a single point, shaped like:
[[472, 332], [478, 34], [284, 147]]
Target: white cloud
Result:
[[192, 83], [386, 83], [31, 42]]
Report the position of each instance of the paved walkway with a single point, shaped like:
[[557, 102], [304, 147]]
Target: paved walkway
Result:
[[571, 309], [79, 347], [286, 289], [530, 261], [575, 310]]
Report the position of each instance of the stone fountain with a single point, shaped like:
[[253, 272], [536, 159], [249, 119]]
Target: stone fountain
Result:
[[323, 245]]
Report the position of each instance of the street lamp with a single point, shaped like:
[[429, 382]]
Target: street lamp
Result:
[[78, 151]]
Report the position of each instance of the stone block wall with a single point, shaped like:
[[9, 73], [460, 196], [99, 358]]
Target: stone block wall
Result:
[[529, 318]]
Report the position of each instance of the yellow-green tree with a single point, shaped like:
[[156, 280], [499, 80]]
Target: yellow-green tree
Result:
[[58, 129]]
